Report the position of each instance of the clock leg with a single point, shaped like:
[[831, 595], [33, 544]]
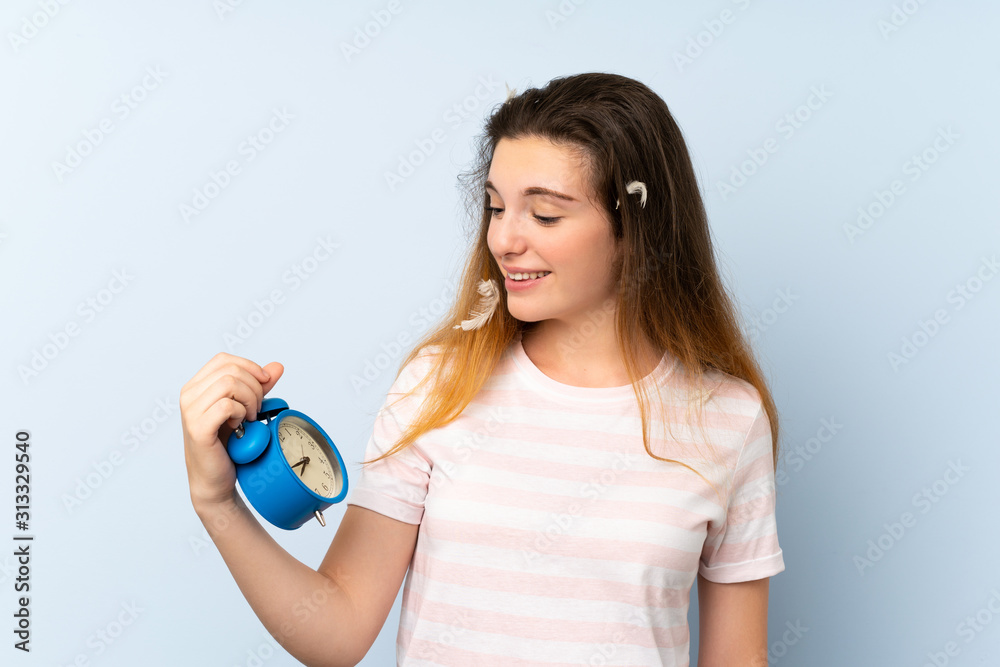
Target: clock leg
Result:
[[319, 517]]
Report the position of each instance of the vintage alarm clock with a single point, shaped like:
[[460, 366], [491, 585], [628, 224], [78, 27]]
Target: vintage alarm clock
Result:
[[288, 467]]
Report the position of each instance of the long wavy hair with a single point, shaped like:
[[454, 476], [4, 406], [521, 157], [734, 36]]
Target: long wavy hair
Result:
[[668, 285]]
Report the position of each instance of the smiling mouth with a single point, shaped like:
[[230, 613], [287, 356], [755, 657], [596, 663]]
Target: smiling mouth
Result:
[[528, 276]]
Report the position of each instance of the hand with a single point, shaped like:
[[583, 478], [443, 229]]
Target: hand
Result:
[[227, 390]]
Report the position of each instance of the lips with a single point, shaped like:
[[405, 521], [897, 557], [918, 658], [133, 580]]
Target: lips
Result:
[[520, 285]]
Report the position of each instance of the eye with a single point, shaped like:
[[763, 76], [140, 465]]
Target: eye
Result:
[[541, 219]]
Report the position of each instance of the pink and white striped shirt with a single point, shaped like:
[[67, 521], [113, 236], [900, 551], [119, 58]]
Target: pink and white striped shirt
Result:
[[548, 536]]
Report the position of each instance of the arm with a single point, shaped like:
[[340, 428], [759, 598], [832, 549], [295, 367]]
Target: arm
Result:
[[732, 622], [326, 617], [368, 559]]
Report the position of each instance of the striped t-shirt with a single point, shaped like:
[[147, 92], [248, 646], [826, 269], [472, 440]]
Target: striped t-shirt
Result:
[[549, 536]]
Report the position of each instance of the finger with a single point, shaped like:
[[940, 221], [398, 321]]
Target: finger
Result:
[[223, 358], [231, 411], [245, 390], [276, 370], [222, 415], [195, 392]]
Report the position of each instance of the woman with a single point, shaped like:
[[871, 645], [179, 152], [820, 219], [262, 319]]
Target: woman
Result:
[[555, 525]]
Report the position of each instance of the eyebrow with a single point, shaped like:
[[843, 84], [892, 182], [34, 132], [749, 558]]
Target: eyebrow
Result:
[[534, 190]]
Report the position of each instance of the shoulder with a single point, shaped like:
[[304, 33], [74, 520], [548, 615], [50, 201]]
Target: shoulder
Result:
[[734, 388], [719, 390]]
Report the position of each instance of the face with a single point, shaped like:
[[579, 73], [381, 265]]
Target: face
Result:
[[564, 233]]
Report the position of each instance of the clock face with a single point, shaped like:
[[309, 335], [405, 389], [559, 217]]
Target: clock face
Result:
[[309, 456]]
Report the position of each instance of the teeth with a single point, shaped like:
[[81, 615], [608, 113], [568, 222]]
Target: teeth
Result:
[[526, 276]]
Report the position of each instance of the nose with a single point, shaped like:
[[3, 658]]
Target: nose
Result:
[[506, 235]]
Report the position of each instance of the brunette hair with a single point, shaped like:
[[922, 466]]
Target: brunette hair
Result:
[[669, 287]]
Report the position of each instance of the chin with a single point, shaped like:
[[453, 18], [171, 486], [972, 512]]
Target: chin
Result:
[[525, 315]]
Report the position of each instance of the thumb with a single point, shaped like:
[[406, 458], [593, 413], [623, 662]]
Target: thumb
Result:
[[275, 370]]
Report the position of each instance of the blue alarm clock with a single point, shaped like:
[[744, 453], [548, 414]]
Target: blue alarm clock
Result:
[[288, 467]]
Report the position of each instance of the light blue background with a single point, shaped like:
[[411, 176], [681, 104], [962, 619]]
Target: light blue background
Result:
[[136, 540]]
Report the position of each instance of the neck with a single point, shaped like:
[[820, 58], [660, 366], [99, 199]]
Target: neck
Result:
[[593, 359]]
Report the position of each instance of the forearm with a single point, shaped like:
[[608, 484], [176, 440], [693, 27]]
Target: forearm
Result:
[[305, 611]]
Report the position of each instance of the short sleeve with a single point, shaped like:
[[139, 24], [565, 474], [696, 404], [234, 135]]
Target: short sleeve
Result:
[[746, 547], [397, 485]]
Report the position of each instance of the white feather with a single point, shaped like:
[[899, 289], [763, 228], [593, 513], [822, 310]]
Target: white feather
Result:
[[632, 188], [637, 186], [489, 297]]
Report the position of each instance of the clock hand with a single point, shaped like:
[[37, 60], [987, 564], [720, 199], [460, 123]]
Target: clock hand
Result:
[[302, 462]]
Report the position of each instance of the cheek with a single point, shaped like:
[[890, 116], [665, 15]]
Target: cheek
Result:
[[593, 265], [587, 256]]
